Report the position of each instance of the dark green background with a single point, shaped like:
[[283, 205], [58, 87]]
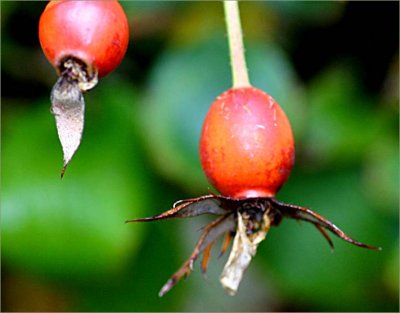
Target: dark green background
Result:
[[332, 66]]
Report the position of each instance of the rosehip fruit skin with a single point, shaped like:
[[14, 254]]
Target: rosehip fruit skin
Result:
[[95, 32], [247, 145]]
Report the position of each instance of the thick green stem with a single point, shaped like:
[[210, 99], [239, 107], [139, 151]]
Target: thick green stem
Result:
[[240, 75]]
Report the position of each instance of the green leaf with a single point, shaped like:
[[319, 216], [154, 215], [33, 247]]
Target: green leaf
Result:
[[341, 124], [75, 226], [381, 173]]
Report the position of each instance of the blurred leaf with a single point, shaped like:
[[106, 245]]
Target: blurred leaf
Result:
[[196, 22], [38, 295], [136, 289], [183, 85], [391, 274], [391, 85], [309, 12], [136, 8], [7, 8], [72, 227], [381, 174], [199, 19], [341, 123]]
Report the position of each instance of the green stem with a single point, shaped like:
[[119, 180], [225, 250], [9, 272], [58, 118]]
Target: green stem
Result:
[[240, 75]]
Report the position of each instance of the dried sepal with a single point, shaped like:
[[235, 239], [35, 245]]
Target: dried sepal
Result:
[[243, 250], [305, 214], [209, 204], [249, 220], [211, 232], [206, 257], [225, 244], [84, 74], [326, 236]]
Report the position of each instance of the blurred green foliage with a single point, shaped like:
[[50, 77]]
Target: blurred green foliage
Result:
[[65, 241]]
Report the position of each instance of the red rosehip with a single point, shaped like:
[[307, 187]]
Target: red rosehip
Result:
[[247, 152], [83, 40], [95, 32], [247, 145]]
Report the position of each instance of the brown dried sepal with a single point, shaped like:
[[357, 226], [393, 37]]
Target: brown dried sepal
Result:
[[249, 220], [79, 71]]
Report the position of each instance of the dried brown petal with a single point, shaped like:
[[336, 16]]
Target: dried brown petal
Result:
[[243, 250], [68, 107]]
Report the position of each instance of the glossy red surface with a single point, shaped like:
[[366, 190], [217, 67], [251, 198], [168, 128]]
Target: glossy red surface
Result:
[[95, 32], [247, 146]]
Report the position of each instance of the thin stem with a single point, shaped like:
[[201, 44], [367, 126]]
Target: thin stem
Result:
[[240, 75]]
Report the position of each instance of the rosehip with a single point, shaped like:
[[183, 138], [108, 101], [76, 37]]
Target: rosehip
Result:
[[83, 40], [94, 32], [247, 152], [246, 146]]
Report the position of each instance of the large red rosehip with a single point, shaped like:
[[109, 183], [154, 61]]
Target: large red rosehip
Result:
[[247, 145], [95, 32], [247, 152]]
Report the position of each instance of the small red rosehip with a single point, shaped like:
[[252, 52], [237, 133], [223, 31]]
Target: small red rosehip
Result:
[[247, 145], [94, 32], [83, 40]]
